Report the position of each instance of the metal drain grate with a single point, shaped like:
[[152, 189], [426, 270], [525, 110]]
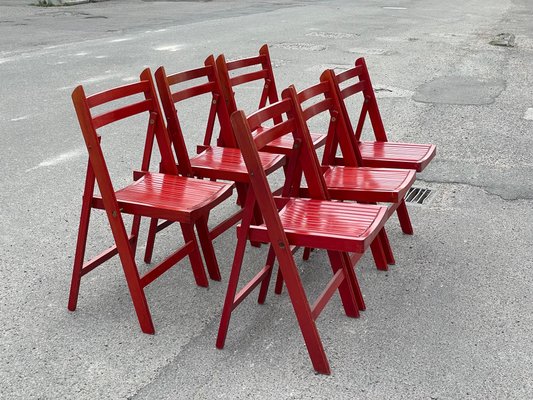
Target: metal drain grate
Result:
[[417, 195]]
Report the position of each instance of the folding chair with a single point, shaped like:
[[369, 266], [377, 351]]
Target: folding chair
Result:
[[156, 195], [251, 70], [379, 153], [220, 162], [352, 181], [292, 222]]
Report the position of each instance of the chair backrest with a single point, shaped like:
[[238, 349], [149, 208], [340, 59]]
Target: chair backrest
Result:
[[90, 124], [185, 85], [357, 80], [321, 98], [255, 134], [246, 70]]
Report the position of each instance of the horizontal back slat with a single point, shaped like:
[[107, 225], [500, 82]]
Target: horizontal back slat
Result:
[[121, 113], [249, 77], [351, 73], [352, 89], [192, 91], [312, 91], [117, 93], [245, 62], [317, 108], [188, 75], [267, 135], [257, 118]]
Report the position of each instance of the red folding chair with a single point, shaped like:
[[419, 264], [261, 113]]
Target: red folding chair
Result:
[[163, 195], [253, 70], [292, 222], [353, 181], [381, 152], [220, 162]]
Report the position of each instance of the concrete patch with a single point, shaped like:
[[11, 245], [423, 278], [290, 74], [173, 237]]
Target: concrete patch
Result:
[[322, 67], [529, 114], [370, 52], [333, 35], [460, 90], [300, 46]]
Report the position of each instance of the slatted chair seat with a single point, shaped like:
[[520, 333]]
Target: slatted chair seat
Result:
[[326, 224], [385, 185], [397, 155], [227, 163], [170, 197]]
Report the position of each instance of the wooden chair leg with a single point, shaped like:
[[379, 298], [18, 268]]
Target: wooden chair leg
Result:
[[279, 282], [148, 252], [403, 217], [232, 289], [379, 254], [303, 312], [389, 255], [195, 258], [81, 242], [271, 258], [207, 249], [135, 227], [346, 289], [353, 278], [132, 276], [79, 256]]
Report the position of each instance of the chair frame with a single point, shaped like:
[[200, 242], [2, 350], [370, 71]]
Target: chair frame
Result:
[[97, 172], [283, 244], [393, 153]]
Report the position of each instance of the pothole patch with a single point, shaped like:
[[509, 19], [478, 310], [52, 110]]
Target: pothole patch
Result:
[[462, 90], [300, 46], [322, 67], [333, 35], [370, 52], [529, 114]]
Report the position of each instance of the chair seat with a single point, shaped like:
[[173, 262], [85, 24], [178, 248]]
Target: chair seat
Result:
[[227, 163], [368, 184], [327, 224], [397, 155], [283, 144], [170, 197]]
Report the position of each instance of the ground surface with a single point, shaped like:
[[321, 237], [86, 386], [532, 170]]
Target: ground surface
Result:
[[452, 319]]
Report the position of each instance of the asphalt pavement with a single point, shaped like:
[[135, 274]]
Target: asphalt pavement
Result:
[[453, 319]]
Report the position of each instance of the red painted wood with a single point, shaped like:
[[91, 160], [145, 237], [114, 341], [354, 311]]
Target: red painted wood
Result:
[[227, 163], [152, 194], [289, 222], [397, 155], [237, 72], [381, 153], [368, 184]]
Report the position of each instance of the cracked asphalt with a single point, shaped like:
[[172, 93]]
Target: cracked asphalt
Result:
[[453, 319]]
